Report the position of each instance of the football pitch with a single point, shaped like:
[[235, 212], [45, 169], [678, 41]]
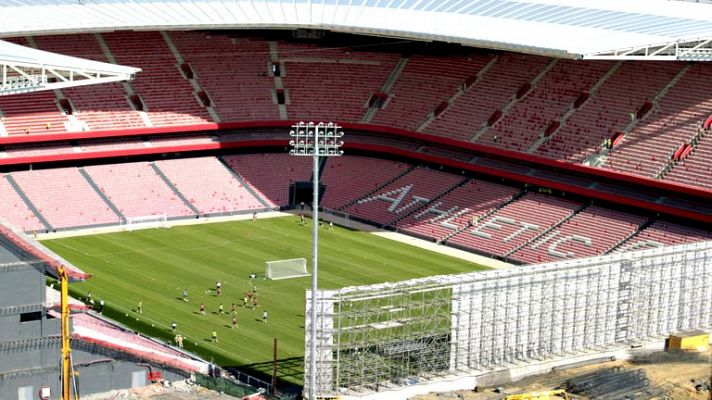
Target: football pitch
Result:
[[154, 266]]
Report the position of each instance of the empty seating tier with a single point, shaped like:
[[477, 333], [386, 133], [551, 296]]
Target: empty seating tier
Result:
[[515, 224], [102, 106], [209, 186], [696, 169], [663, 233], [647, 149], [234, 72], [65, 198], [15, 211], [331, 84], [140, 191], [168, 97], [490, 93], [609, 110], [351, 177], [425, 82], [593, 231], [404, 195], [271, 174], [457, 209]]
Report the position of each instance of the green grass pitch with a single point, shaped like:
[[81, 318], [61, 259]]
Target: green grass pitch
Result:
[[155, 265]]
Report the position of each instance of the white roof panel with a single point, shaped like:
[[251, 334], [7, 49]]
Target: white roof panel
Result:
[[570, 28]]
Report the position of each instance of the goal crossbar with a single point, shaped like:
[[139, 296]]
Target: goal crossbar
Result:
[[285, 269]]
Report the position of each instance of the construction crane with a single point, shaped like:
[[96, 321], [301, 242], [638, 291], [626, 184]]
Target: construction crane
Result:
[[67, 368], [548, 395]]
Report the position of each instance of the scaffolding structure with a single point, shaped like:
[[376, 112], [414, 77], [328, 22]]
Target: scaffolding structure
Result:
[[374, 337]]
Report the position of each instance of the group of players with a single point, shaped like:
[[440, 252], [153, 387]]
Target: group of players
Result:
[[249, 300]]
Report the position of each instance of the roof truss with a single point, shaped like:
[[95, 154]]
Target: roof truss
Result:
[[685, 50], [20, 77]]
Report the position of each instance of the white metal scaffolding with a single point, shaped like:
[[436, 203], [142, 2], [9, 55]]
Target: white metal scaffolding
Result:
[[393, 334]]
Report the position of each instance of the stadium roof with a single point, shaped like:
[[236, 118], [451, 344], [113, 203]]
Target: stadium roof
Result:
[[565, 28], [24, 69]]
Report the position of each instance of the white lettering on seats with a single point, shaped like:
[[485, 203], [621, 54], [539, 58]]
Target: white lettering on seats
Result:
[[416, 200], [492, 224], [395, 201], [642, 245], [569, 254], [525, 226], [447, 223]]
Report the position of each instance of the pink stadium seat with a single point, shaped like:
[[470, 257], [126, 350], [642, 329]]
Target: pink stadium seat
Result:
[[243, 62], [675, 120], [15, 211], [139, 192], [403, 196], [209, 186], [349, 178], [609, 109], [271, 174], [515, 224], [99, 106], [317, 78], [457, 209], [425, 82], [496, 86], [65, 198], [593, 231], [168, 97]]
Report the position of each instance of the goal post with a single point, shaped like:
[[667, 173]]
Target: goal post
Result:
[[146, 221], [285, 269]]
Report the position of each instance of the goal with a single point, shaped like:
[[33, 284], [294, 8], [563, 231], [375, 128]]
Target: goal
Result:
[[147, 221], [284, 269]]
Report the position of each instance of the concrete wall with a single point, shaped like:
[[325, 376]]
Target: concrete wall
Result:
[[98, 377]]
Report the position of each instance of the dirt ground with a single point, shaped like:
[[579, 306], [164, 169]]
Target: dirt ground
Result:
[[672, 377], [182, 390]]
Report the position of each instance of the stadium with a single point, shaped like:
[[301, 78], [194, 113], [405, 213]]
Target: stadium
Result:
[[503, 189]]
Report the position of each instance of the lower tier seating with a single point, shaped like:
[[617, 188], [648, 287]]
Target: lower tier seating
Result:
[[403, 196], [209, 186], [515, 224]]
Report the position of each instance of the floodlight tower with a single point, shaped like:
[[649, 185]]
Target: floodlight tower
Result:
[[315, 140]]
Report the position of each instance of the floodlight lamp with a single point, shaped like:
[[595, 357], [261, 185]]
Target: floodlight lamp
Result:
[[291, 152], [291, 143], [331, 124]]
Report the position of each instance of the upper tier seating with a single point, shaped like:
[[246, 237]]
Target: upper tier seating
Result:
[[101, 107], [140, 191], [208, 185], [31, 113], [351, 177], [457, 209], [234, 72], [271, 174], [609, 110], [592, 231], [495, 87], [663, 233], [406, 194], [425, 82], [65, 198], [15, 211], [169, 99], [515, 224], [318, 79], [680, 113], [696, 169], [552, 96]]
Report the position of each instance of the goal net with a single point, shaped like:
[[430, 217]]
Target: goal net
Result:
[[147, 221], [284, 269]]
